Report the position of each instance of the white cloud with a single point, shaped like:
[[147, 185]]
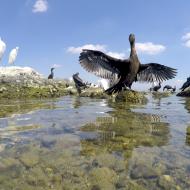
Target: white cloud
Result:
[[116, 55], [150, 48], [77, 50], [186, 36], [56, 66], [40, 6], [186, 39]]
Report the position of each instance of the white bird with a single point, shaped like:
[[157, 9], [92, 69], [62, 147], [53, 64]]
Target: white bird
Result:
[[13, 55], [2, 48]]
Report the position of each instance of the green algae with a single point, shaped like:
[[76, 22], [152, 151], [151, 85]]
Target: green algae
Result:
[[131, 96]]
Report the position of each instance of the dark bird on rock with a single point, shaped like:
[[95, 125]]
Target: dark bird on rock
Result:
[[168, 87], [51, 74], [126, 70], [79, 83], [156, 88], [186, 84]]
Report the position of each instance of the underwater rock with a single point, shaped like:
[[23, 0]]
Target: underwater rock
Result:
[[166, 182], [29, 159], [131, 96], [103, 178], [185, 93], [143, 171], [109, 161]]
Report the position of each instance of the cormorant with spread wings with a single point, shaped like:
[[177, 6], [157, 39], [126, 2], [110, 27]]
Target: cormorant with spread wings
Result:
[[125, 70]]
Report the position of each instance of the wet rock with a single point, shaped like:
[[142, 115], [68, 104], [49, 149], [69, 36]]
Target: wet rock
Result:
[[142, 171], [166, 182], [185, 93], [48, 143], [29, 159], [132, 185], [109, 161], [188, 135], [103, 178], [158, 95], [94, 93], [131, 96]]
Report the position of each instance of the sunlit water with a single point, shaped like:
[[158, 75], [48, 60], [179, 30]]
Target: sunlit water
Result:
[[83, 143]]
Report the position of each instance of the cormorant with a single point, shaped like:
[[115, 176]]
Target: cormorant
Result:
[[168, 87], [186, 84], [79, 83], [126, 70], [52, 74], [156, 88]]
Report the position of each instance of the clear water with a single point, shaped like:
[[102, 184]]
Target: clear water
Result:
[[83, 143]]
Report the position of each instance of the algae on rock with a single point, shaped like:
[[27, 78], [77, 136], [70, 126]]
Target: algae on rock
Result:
[[131, 96]]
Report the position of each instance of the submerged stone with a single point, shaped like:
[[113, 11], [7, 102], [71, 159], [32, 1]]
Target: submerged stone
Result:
[[103, 178], [142, 171], [29, 159]]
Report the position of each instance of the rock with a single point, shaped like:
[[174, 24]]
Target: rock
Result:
[[142, 171], [158, 95], [166, 182], [93, 93], [109, 161], [2, 89], [103, 178], [188, 130], [29, 159], [131, 96], [185, 93], [188, 135]]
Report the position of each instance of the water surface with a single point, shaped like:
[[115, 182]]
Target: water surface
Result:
[[83, 143]]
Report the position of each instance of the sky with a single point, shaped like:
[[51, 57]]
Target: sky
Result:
[[53, 32]]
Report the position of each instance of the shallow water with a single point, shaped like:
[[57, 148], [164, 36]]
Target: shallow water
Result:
[[83, 143]]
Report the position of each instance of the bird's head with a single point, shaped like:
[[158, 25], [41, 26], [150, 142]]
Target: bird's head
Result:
[[131, 38], [52, 69]]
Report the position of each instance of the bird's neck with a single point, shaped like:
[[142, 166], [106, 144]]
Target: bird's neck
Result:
[[133, 50]]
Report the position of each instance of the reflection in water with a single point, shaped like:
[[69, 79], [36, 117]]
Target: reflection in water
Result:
[[77, 102], [96, 145], [11, 108], [124, 130]]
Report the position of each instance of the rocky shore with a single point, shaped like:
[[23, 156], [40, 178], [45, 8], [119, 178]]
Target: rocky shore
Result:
[[25, 82]]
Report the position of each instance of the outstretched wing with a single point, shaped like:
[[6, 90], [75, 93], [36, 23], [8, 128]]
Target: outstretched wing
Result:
[[101, 64], [155, 72]]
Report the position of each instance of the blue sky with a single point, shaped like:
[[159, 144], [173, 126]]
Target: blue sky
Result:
[[52, 32]]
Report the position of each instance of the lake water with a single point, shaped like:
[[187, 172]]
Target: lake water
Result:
[[83, 143]]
